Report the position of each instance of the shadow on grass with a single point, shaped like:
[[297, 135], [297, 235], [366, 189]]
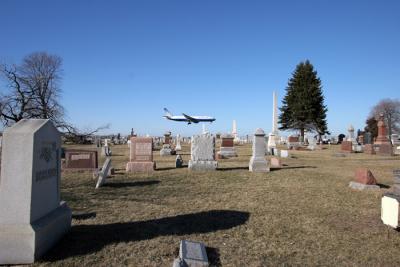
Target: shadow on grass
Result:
[[383, 185], [213, 256], [128, 184], [87, 239], [233, 168], [299, 167], [165, 168], [84, 216]]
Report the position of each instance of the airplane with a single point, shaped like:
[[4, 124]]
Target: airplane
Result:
[[189, 119]]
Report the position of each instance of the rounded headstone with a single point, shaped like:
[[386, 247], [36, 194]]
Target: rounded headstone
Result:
[[259, 132]]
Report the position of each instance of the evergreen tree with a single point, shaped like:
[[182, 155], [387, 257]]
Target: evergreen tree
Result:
[[303, 106], [372, 126]]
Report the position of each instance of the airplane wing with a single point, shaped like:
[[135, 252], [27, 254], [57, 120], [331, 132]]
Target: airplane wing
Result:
[[191, 119]]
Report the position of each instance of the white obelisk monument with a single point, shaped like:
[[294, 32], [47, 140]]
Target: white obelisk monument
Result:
[[275, 116], [234, 132], [274, 135]]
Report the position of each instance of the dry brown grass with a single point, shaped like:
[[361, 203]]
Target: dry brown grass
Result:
[[303, 214]]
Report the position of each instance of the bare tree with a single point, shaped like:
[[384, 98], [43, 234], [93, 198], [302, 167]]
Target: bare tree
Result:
[[33, 90], [390, 108]]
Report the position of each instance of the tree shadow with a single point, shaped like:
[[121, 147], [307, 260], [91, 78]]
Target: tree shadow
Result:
[[87, 239], [233, 168], [84, 216], [127, 184]]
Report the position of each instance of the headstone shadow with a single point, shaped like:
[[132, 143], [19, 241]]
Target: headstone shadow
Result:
[[383, 185], [286, 167], [84, 216], [165, 168], [233, 168], [87, 239], [129, 184]]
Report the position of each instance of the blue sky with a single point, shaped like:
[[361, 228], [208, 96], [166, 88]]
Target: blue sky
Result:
[[124, 61]]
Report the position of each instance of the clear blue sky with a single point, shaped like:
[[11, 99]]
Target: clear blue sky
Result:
[[124, 61]]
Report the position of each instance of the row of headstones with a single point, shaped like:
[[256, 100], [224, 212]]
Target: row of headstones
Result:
[[202, 153]]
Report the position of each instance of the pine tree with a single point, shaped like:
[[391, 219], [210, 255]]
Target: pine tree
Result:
[[303, 106], [372, 126]]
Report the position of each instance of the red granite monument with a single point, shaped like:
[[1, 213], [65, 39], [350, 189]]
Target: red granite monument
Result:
[[80, 160], [141, 155], [346, 146], [383, 144]]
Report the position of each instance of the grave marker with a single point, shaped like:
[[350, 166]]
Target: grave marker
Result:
[[141, 155], [32, 218], [258, 163]]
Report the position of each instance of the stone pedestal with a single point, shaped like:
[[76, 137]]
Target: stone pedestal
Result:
[[140, 166], [32, 218], [258, 163], [385, 149], [369, 149], [203, 153]]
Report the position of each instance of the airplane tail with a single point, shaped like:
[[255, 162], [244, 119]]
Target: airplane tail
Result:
[[167, 113]]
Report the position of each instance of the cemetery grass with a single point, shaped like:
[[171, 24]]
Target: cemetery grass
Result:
[[302, 214]]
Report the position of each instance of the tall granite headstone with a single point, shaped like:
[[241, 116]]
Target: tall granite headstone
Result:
[[383, 145], [141, 155], [203, 153], [258, 163], [32, 218]]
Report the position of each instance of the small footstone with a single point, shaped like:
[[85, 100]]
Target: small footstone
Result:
[[359, 186], [390, 210], [193, 254]]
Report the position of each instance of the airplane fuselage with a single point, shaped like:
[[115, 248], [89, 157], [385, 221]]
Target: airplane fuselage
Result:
[[189, 119], [197, 119]]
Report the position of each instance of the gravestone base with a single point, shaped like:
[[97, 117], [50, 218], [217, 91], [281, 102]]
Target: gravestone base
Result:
[[258, 164], [203, 165], [390, 205], [276, 163], [385, 150], [140, 166], [227, 152], [24, 243], [359, 186]]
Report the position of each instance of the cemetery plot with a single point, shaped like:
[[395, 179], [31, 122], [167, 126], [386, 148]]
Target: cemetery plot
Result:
[[303, 213]]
